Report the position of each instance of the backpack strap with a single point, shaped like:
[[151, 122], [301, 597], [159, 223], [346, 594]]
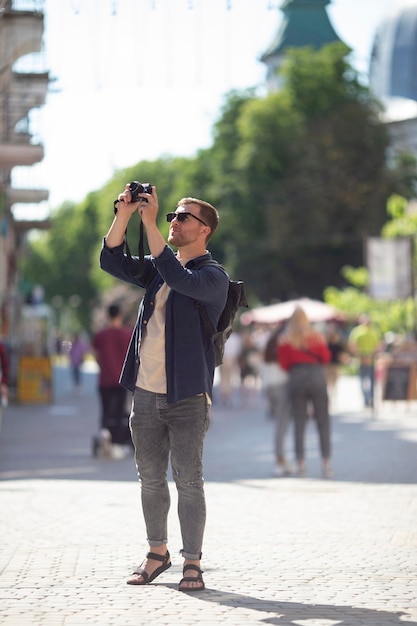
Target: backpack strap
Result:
[[313, 354], [208, 326]]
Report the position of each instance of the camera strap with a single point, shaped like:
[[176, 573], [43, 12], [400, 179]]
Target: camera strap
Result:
[[141, 253]]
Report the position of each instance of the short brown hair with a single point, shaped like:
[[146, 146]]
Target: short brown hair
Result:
[[209, 214]]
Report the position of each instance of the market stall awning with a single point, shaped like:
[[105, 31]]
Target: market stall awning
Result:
[[315, 310]]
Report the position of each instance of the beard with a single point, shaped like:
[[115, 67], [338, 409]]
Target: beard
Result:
[[178, 240]]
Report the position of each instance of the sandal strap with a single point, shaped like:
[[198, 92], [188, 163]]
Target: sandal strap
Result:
[[158, 557], [141, 572], [195, 568], [191, 579]]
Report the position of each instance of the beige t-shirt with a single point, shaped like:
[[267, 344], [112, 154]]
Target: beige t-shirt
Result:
[[152, 374]]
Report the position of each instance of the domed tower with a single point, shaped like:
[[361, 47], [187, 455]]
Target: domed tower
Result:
[[305, 23], [393, 74], [393, 67]]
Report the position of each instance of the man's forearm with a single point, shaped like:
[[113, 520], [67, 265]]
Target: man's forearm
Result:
[[117, 230], [155, 239]]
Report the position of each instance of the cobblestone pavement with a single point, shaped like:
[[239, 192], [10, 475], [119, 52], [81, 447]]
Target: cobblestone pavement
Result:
[[288, 551]]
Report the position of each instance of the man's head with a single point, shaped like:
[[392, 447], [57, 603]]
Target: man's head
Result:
[[113, 311], [365, 320], [201, 221]]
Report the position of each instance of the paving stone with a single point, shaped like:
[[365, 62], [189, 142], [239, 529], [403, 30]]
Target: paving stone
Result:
[[287, 551]]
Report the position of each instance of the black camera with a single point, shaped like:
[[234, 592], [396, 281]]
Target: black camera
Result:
[[137, 188]]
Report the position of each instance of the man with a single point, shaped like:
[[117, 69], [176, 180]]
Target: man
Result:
[[170, 368], [110, 345], [363, 342]]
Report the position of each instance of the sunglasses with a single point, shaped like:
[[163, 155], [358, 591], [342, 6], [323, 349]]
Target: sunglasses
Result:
[[181, 217]]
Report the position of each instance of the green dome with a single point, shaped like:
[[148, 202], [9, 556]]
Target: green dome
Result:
[[305, 23]]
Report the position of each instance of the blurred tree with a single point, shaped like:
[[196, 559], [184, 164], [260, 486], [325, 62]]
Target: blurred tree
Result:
[[60, 259], [299, 177], [308, 170]]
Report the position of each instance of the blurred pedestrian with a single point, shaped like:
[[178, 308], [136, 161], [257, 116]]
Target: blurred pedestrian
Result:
[[363, 343], [229, 369], [249, 364], [303, 352], [77, 351], [109, 346], [4, 376], [338, 356], [275, 386]]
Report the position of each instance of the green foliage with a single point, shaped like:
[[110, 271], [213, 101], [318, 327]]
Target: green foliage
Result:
[[396, 206], [60, 259], [399, 316], [404, 175], [318, 81], [308, 178], [396, 316], [404, 218], [299, 178], [356, 276]]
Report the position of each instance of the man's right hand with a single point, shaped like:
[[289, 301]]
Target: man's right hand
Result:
[[125, 209], [125, 203]]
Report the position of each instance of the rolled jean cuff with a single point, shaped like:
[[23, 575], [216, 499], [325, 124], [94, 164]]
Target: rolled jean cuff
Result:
[[157, 544], [191, 557]]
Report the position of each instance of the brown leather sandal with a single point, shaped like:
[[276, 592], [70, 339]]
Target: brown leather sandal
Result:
[[189, 579], [148, 578]]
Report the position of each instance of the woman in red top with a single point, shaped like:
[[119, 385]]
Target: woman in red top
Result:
[[303, 352]]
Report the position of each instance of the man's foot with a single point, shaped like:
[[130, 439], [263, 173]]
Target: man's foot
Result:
[[149, 568], [192, 579]]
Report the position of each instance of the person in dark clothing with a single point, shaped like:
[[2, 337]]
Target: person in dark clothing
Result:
[[4, 375], [170, 368], [338, 355], [78, 350], [110, 345]]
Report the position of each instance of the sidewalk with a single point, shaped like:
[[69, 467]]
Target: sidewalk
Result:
[[284, 552]]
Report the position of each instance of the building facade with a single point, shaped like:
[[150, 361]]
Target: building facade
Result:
[[21, 31], [393, 74]]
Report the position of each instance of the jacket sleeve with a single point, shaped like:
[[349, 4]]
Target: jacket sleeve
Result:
[[118, 264], [207, 284]]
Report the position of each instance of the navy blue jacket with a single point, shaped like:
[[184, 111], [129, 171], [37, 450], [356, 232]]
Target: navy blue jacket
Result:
[[189, 352]]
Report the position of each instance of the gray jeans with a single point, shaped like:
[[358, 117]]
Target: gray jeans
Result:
[[307, 386], [280, 410], [158, 430]]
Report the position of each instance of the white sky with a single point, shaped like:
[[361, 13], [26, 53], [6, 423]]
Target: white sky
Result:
[[136, 79]]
